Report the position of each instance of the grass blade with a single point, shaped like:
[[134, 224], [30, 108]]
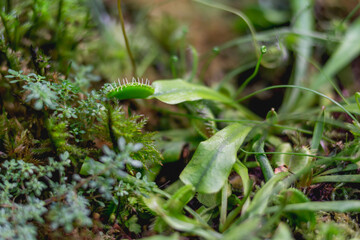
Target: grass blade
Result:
[[302, 11], [318, 132], [337, 178], [334, 206]]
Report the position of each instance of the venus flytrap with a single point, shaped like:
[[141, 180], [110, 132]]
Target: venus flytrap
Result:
[[137, 88]]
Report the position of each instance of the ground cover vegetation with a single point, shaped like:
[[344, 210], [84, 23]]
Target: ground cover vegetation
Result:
[[176, 119]]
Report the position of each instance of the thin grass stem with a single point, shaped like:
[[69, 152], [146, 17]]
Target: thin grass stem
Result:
[[126, 39], [302, 88]]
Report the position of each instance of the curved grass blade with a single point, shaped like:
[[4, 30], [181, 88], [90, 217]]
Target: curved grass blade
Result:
[[305, 89], [346, 52]]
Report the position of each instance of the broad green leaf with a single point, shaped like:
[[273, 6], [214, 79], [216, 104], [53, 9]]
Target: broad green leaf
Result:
[[177, 91], [214, 158]]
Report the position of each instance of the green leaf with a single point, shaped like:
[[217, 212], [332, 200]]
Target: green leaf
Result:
[[292, 196], [209, 200], [337, 178], [340, 168], [304, 21], [298, 162], [348, 50], [283, 232], [335, 206], [214, 158], [282, 159], [179, 221], [177, 91], [318, 132], [246, 230], [180, 198], [175, 236], [262, 197]]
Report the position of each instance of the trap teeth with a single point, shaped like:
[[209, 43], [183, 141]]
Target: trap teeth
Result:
[[124, 82]]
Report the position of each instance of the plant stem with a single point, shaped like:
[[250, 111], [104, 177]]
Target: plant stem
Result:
[[263, 160], [126, 39], [194, 65], [173, 60], [246, 82], [214, 53]]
